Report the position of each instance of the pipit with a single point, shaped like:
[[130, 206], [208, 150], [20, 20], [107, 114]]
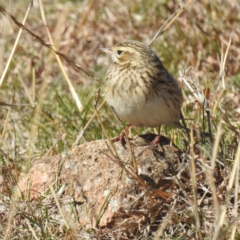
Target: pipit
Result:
[[140, 89]]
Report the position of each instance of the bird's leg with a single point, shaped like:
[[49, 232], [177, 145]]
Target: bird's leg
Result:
[[122, 136], [156, 141]]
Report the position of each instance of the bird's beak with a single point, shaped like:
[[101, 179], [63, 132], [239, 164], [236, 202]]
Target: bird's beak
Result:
[[106, 50]]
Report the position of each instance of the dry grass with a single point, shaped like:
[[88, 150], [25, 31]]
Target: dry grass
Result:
[[42, 116]]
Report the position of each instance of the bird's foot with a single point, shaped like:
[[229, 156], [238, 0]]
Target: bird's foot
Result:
[[156, 142], [122, 136]]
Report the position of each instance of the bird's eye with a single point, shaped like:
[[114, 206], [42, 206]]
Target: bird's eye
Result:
[[119, 52]]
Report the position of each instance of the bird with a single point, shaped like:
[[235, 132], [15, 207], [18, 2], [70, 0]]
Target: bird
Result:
[[139, 88]]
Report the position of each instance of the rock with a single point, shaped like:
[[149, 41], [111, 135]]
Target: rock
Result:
[[106, 189]]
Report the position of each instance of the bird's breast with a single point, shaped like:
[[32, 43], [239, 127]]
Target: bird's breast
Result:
[[125, 84]]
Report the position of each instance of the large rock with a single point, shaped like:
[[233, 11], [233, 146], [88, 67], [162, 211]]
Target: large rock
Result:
[[106, 189]]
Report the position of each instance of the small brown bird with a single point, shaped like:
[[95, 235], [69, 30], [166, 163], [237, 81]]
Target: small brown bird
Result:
[[139, 88]]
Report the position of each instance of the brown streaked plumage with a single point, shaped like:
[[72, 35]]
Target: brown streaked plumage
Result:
[[139, 88]]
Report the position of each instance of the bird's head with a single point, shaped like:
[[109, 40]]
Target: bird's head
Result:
[[130, 52]]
